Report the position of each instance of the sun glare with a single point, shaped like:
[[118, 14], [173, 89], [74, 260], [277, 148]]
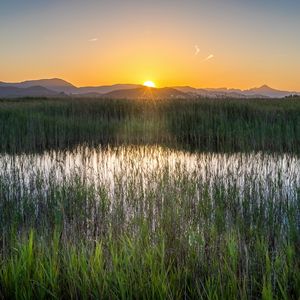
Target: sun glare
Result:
[[149, 84]]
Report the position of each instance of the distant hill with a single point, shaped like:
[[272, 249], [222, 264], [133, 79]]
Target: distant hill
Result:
[[213, 93], [145, 93], [56, 86], [62, 86], [260, 92], [106, 88], [268, 92], [34, 91]]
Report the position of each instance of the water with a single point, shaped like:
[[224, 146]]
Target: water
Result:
[[90, 192], [146, 167]]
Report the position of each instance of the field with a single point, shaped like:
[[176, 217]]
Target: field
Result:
[[132, 199]]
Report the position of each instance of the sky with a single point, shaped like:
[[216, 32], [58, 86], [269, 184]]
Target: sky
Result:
[[201, 43]]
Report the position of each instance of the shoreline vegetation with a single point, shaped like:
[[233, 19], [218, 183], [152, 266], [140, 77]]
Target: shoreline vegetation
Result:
[[130, 199], [219, 125]]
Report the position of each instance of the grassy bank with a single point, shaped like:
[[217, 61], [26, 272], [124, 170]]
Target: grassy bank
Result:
[[207, 125]]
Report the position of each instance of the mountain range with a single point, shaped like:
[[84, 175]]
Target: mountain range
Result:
[[56, 87]]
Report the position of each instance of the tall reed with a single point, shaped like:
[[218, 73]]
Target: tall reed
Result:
[[223, 125], [149, 223]]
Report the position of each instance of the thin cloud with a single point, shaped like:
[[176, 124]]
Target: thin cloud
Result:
[[93, 40], [197, 49], [209, 57]]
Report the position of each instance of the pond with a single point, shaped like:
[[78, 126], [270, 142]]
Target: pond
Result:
[[116, 186]]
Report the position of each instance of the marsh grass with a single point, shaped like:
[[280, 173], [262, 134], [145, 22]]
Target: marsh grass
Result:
[[149, 223], [207, 208], [222, 125]]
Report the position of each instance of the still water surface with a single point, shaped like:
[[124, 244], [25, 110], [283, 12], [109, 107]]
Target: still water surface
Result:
[[146, 167]]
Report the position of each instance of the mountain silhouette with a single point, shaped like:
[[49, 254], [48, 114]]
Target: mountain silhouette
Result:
[[261, 92], [106, 88], [267, 91], [145, 93], [58, 87], [33, 91], [54, 84]]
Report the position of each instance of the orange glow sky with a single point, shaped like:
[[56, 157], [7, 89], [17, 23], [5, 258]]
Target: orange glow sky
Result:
[[221, 43]]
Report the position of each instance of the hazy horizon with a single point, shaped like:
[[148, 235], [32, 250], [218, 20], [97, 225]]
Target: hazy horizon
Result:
[[204, 44], [141, 84]]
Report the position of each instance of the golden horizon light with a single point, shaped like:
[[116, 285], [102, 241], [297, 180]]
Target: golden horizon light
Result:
[[198, 43], [149, 83]]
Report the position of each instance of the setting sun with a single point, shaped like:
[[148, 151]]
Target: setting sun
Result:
[[149, 84]]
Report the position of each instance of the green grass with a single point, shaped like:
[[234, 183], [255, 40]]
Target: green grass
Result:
[[149, 222], [138, 269], [208, 125], [155, 230]]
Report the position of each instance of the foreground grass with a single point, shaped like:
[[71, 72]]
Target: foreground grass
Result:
[[223, 125], [127, 223], [140, 269], [166, 225]]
